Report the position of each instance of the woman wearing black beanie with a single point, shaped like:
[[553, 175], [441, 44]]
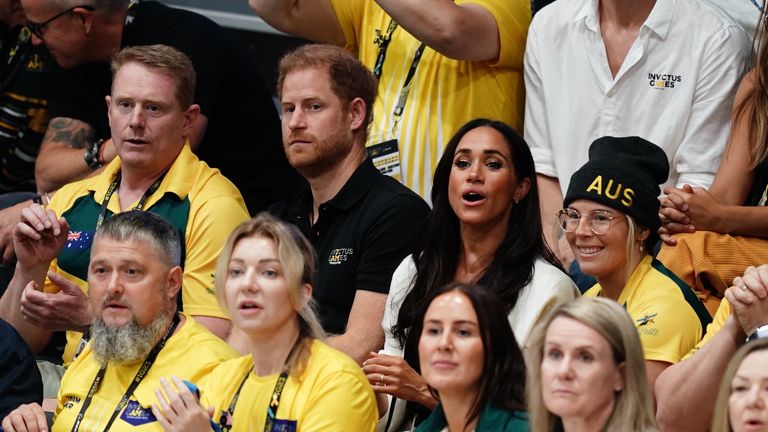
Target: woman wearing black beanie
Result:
[[610, 219]]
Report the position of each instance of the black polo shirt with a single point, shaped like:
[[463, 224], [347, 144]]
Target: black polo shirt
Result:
[[361, 236]]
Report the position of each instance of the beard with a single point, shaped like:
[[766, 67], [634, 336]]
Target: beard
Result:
[[322, 155], [129, 343]]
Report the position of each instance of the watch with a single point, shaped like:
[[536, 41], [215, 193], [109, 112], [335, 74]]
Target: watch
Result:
[[759, 333], [91, 155]]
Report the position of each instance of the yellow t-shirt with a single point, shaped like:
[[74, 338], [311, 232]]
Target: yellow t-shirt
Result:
[[191, 353], [331, 395], [718, 321], [668, 316], [445, 93]]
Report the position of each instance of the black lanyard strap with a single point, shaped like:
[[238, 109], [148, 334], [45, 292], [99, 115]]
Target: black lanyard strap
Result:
[[140, 374], [274, 403], [407, 84], [113, 187], [382, 40], [226, 421]]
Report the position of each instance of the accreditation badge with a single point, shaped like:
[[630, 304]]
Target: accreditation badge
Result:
[[284, 425], [386, 158]]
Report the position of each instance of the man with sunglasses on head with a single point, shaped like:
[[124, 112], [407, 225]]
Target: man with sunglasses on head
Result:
[[238, 130]]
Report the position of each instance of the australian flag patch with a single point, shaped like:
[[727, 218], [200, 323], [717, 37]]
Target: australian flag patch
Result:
[[79, 240]]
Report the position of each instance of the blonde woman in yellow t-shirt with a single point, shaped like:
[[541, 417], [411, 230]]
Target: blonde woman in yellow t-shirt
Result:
[[290, 380], [610, 218]]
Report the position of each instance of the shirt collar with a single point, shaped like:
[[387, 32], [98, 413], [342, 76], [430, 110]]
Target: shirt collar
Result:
[[588, 14], [661, 16], [178, 180], [633, 282], [356, 187], [658, 21]]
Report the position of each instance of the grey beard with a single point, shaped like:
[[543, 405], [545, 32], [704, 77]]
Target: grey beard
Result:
[[126, 344]]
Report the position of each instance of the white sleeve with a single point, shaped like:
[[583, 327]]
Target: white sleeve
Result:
[[706, 133], [535, 129], [402, 281], [548, 287]]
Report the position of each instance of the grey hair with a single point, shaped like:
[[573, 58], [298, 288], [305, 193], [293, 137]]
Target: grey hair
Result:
[[145, 227]]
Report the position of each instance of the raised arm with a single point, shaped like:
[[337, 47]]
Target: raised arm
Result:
[[465, 31], [38, 238], [309, 19], [684, 392]]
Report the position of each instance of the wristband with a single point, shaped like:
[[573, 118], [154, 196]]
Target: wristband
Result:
[[91, 155], [759, 333]]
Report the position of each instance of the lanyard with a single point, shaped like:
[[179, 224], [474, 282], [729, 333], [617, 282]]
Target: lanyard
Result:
[[754, 2], [398, 112], [113, 187], [274, 403], [382, 40], [140, 374], [226, 421], [226, 418]]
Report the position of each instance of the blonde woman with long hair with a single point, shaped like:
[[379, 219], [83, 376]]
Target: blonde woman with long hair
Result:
[[586, 371], [742, 402], [290, 379]]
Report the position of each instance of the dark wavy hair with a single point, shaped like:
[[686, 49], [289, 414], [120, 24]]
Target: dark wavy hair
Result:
[[502, 382], [436, 253]]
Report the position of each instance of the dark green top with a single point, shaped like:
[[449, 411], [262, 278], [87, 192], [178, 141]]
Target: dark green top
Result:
[[492, 419]]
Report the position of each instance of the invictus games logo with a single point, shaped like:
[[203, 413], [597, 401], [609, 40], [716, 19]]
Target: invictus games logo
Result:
[[663, 81], [338, 256]]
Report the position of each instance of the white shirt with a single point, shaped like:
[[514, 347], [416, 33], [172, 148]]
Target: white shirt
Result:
[[675, 87], [743, 12]]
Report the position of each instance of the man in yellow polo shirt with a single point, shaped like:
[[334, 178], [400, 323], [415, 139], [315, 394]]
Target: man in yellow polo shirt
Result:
[[137, 335], [150, 112]]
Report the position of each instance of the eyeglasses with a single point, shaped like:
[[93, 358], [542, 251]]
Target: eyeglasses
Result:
[[599, 221], [37, 29]]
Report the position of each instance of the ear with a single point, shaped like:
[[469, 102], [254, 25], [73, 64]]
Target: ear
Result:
[[356, 112], [305, 294], [174, 282], [642, 234], [522, 189], [620, 379], [191, 116], [86, 18], [108, 99]]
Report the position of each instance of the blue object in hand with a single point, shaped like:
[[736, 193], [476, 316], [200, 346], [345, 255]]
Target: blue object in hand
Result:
[[196, 391]]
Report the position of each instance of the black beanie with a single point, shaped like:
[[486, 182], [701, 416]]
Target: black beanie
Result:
[[624, 174]]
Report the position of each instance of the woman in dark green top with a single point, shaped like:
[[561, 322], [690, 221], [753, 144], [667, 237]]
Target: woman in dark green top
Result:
[[471, 361]]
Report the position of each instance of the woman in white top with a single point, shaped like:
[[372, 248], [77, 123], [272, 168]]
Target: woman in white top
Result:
[[484, 229]]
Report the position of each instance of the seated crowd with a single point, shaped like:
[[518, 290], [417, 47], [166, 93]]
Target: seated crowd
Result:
[[477, 219]]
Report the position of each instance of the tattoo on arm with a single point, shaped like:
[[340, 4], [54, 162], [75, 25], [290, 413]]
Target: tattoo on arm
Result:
[[70, 132]]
